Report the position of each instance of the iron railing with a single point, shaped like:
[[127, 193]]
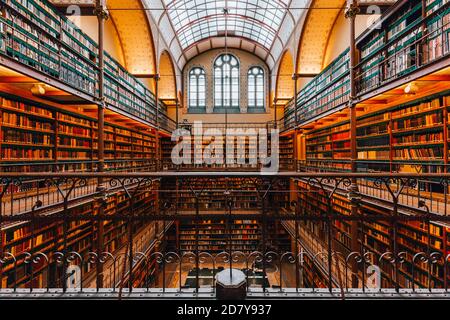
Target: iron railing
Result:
[[316, 262]]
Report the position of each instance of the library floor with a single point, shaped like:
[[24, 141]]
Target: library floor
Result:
[[188, 271]]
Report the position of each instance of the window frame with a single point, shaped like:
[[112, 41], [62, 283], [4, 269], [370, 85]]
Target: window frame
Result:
[[197, 91], [255, 99], [231, 108]]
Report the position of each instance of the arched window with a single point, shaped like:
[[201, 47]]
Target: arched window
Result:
[[197, 89], [255, 88], [226, 83]]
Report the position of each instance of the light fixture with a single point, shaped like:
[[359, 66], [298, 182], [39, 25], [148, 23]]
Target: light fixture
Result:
[[38, 89], [411, 88]]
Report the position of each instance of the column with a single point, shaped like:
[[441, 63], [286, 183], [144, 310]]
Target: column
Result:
[[102, 15], [158, 142], [351, 13]]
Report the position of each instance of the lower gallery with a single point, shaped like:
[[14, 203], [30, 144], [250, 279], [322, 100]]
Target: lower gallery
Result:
[[241, 149]]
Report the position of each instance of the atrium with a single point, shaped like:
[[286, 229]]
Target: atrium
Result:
[[217, 149]]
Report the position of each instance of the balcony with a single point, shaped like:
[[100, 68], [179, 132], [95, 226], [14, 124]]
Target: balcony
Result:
[[317, 263], [56, 52], [388, 60]]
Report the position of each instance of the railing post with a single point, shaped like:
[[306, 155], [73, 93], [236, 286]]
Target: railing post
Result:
[[394, 243]]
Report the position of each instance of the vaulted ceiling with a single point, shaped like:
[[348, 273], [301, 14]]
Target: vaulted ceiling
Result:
[[190, 27]]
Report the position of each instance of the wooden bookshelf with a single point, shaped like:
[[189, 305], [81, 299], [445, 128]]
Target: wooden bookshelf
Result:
[[78, 236], [376, 236], [393, 139], [36, 133]]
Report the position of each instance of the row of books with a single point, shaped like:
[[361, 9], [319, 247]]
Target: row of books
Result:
[[74, 130], [25, 121], [73, 142], [420, 153], [74, 120], [27, 138], [26, 108], [418, 139]]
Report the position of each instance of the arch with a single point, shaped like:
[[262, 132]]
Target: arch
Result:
[[285, 86], [315, 35], [135, 35], [168, 81]]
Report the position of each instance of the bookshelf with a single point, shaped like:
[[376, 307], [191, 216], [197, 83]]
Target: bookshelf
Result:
[[79, 235], [376, 236], [392, 139], [32, 133], [214, 236]]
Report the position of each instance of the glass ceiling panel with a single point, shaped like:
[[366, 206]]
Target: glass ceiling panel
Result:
[[257, 20]]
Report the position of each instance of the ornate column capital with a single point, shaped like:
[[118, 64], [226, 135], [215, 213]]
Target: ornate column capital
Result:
[[101, 11], [101, 101], [352, 10]]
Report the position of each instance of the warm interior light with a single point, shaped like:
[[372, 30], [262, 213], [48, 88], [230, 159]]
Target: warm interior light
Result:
[[38, 89], [411, 88]]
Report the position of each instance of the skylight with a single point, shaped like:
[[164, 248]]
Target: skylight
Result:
[[256, 20]]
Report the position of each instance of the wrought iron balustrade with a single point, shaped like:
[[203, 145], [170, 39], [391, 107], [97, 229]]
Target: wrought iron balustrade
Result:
[[317, 263]]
